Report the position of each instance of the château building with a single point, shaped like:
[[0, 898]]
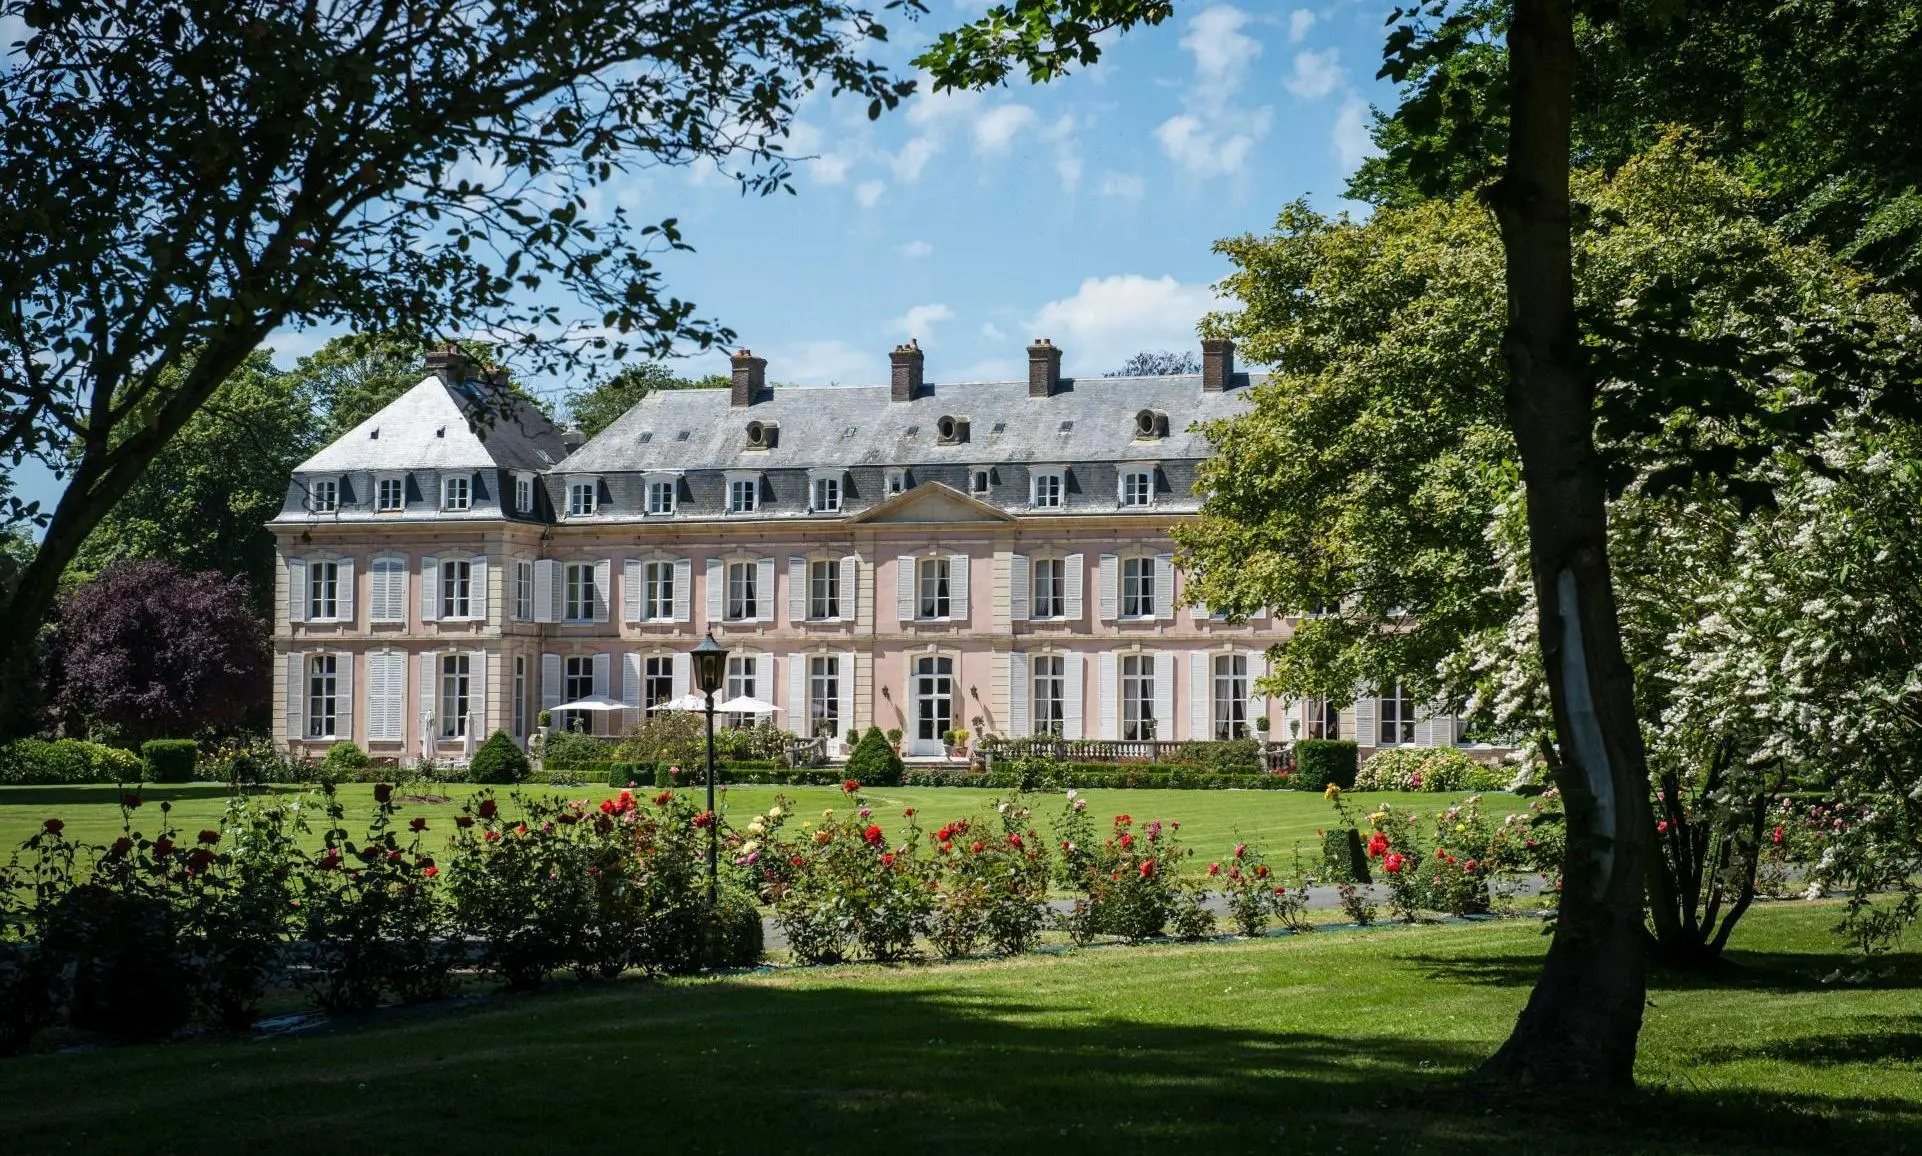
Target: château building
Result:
[[924, 555]]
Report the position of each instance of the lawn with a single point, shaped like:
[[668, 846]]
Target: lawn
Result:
[[1211, 821], [1353, 1042]]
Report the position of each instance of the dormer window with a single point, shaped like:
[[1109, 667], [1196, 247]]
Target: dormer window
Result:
[[524, 493], [1151, 424], [897, 481], [661, 491], [390, 495], [582, 497], [978, 482], [1049, 487], [743, 493], [456, 493], [824, 495], [324, 497], [1137, 487], [951, 430]]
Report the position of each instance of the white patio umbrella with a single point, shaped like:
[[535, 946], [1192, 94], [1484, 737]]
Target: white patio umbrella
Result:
[[685, 702], [745, 704], [597, 702]]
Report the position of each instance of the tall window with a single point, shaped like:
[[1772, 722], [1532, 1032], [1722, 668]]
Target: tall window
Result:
[[827, 495], [824, 589], [1046, 591], [657, 591], [1138, 488], [390, 494], [1396, 722], [824, 695], [454, 701], [743, 495], [323, 590], [524, 493], [325, 497], [1231, 696], [580, 498], [743, 600], [520, 696], [578, 679], [897, 481], [978, 482], [524, 591], [321, 701], [454, 494], [657, 682], [934, 601], [1324, 719], [1047, 490], [741, 682], [660, 497], [581, 595], [456, 586], [1138, 588], [1138, 696], [1050, 687]]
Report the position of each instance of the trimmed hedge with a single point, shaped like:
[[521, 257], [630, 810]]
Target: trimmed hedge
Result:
[[498, 761], [170, 760], [874, 762], [1324, 761], [36, 762]]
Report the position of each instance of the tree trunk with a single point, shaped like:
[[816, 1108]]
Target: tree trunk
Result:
[[1582, 1019]]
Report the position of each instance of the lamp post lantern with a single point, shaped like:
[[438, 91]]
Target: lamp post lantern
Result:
[[710, 671]]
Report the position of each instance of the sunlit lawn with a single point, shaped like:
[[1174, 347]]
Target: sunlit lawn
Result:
[[1352, 1042]]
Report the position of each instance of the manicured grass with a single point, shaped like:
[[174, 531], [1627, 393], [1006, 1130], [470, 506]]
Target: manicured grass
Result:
[[1211, 821], [1353, 1042]]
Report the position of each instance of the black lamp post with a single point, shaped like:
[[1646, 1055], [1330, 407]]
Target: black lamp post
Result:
[[710, 672]]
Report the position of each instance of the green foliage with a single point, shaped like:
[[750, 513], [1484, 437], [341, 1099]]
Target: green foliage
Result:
[[844, 889], [498, 760], [562, 750], [596, 407], [170, 760], [1428, 769], [39, 762], [345, 762], [873, 761], [1319, 762], [669, 737]]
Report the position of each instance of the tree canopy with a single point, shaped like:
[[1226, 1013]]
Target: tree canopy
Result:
[[594, 407]]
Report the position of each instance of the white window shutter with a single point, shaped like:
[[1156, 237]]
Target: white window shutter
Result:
[[1198, 611], [603, 673], [958, 587], [1072, 682], [477, 589], [547, 583], [631, 590], [1109, 694], [1365, 732], [345, 603], [1071, 585], [1110, 586], [683, 589], [1258, 702], [1164, 586], [631, 682], [553, 681], [1018, 576], [386, 694], [847, 697], [764, 589], [1165, 694], [683, 674], [296, 705], [296, 589], [797, 695], [429, 694], [1018, 687], [380, 601], [603, 586], [716, 589], [430, 589], [343, 696], [797, 589], [850, 586], [904, 568], [477, 686], [1200, 716]]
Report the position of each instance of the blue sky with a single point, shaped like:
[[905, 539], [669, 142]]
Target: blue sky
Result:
[[1082, 211]]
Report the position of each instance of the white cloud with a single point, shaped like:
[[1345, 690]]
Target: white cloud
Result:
[[994, 130], [1316, 74], [1110, 318], [1352, 142], [1127, 186], [829, 362], [914, 156], [992, 332], [914, 250], [1205, 151], [869, 192], [920, 319], [1299, 22], [1068, 167], [1222, 52], [1214, 136]]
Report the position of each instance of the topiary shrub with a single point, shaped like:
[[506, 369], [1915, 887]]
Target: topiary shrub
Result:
[[498, 761], [170, 760], [344, 761], [1319, 762], [873, 761], [734, 931]]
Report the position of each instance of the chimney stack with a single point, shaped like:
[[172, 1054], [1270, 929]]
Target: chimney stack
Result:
[[750, 379], [1044, 368], [573, 437], [449, 364], [904, 383], [1217, 364]]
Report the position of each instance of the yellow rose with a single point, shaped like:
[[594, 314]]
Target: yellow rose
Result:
[[775, 812], [828, 814], [1333, 792], [756, 828]]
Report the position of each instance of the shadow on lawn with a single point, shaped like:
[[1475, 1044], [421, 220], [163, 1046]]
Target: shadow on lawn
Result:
[[741, 1066], [98, 794], [1776, 972]]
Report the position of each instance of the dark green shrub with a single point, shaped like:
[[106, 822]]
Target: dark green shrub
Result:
[[734, 934], [345, 762], [171, 760], [1344, 857], [873, 762], [1319, 762], [564, 749], [124, 953], [498, 761], [35, 762], [629, 774]]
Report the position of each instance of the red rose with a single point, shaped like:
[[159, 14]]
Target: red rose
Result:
[[975, 848], [464, 821], [1127, 841], [430, 871], [488, 808], [607, 806], [121, 847], [1281, 891], [1261, 871], [908, 814], [163, 846], [664, 798], [394, 856], [1240, 849], [53, 826], [873, 835], [850, 786], [1471, 865], [1014, 841], [704, 820], [417, 823], [1777, 837], [1214, 868], [1377, 845], [130, 801], [198, 858], [1147, 868], [490, 836], [887, 859], [210, 837], [383, 792], [1391, 863], [797, 861], [1662, 826]]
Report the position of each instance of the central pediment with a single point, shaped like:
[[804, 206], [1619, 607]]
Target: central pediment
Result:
[[931, 503]]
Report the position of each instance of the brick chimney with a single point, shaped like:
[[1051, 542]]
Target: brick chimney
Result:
[[449, 364], [1044, 368], [750, 379], [1217, 364], [904, 381]]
